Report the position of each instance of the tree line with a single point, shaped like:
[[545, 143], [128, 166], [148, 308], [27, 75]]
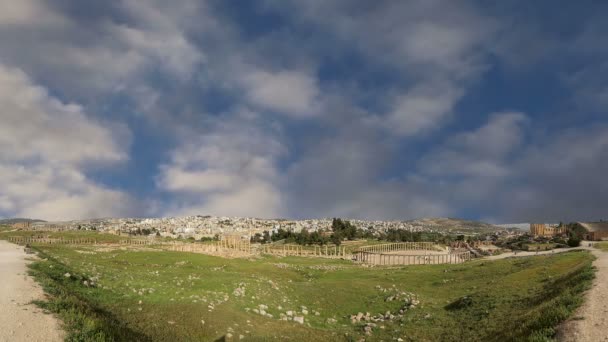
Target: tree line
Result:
[[342, 230]]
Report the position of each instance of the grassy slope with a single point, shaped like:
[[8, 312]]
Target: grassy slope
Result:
[[513, 299], [71, 234]]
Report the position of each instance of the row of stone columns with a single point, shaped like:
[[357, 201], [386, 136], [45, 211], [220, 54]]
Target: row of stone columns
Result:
[[50, 241], [400, 259]]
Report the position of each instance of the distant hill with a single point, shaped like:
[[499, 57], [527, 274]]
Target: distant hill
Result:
[[17, 220], [521, 226], [455, 224]]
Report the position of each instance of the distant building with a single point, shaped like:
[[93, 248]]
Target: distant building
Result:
[[541, 229], [594, 231]]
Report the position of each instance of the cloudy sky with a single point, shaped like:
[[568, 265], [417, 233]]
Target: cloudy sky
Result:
[[276, 108]]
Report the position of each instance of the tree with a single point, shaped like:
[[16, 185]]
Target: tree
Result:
[[574, 241], [257, 238], [267, 238], [336, 238], [344, 229], [303, 238]]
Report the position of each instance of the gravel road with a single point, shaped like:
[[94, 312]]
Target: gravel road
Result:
[[590, 323], [19, 320]]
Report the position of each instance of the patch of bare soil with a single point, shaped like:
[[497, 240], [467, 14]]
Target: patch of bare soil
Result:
[[20, 320]]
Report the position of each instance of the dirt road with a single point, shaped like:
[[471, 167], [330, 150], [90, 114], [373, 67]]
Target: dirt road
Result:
[[19, 320], [526, 254], [590, 323]]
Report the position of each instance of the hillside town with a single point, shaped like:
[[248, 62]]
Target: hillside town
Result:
[[209, 226]]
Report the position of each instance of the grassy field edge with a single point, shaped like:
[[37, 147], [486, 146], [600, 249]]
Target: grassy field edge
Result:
[[83, 319]]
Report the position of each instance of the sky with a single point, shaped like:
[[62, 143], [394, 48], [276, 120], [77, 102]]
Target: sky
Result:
[[393, 110]]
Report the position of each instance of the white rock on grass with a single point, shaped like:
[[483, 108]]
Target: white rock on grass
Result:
[[299, 319]]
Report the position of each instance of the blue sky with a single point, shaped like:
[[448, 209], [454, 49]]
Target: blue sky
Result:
[[300, 109]]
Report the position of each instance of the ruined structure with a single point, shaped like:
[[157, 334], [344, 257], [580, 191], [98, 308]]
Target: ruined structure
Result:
[[541, 229], [594, 231], [409, 253], [22, 225]]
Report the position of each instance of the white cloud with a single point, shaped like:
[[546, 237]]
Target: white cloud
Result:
[[231, 170], [85, 60], [28, 12], [45, 145], [439, 48], [39, 127], [423, 108], [482, 152], [52, 192], [292, 93]]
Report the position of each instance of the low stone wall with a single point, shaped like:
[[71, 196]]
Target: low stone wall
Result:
[[50, 241]]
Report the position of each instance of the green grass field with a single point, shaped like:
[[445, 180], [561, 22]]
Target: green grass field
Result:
[[602, 245], [539, 246], [147, 294]]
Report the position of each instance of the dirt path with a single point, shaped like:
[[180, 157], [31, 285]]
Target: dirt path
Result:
[[19, 320], [590, 323], [525, 254]]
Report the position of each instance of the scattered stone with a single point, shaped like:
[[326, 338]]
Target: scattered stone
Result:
[[299, 319], [305, 312], [67, 275]]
